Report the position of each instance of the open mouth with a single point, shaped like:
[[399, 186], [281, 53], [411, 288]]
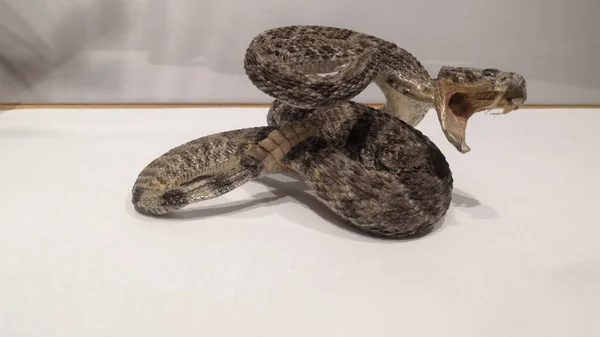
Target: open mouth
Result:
[[458, 107]]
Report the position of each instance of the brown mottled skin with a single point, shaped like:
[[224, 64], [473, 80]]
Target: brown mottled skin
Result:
[[370, 166]]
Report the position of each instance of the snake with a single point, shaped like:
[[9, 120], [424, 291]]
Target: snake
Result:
[[371, 166]]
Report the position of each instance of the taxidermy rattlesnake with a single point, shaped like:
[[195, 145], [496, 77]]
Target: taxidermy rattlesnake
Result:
[[370, 166]]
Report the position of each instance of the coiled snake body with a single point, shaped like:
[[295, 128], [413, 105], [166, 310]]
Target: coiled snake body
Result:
[[370, 166]]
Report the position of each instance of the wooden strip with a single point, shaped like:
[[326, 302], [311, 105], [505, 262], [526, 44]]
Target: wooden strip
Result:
[[18, 106]]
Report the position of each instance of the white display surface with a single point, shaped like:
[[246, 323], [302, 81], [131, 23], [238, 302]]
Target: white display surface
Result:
[[517, 255]]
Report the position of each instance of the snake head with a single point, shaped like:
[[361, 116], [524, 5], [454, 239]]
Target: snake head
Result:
[[463, 91]]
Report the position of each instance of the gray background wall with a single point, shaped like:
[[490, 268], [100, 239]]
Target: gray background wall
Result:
[[192, 51]]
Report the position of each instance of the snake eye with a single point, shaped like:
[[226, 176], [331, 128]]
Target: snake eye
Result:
[[489, 72]]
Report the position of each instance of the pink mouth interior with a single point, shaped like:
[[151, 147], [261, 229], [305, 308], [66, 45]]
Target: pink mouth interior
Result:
[[458, 111], [460, 107]]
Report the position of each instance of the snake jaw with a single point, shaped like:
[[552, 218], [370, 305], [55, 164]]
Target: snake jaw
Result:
[[454, 109], [462, 92], [453, 123]]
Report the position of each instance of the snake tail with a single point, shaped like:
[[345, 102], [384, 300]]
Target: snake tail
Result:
[[202, 169]]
